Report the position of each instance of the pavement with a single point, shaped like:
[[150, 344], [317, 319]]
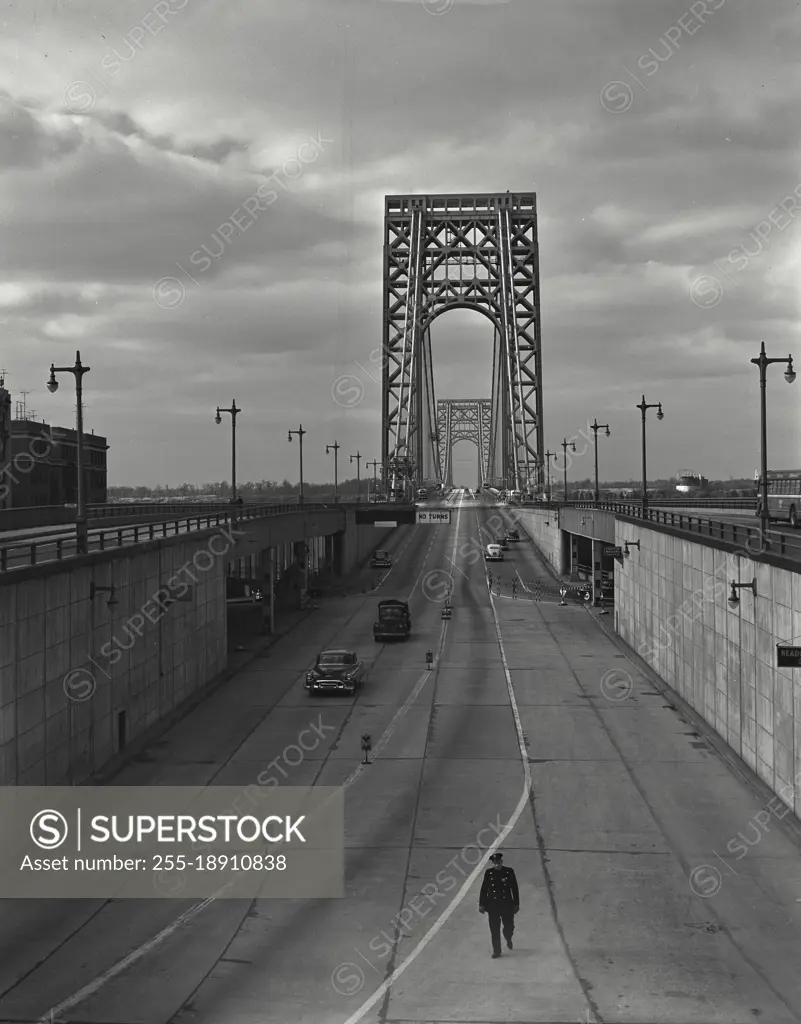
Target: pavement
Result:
[[654, 886]]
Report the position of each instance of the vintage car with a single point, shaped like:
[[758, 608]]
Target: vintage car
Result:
[[336, 672], [512, 535], [381, 560], [394, 622], [493, 553]]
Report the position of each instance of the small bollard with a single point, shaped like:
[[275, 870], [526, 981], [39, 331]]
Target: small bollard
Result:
[[366, 747], [429, 660]]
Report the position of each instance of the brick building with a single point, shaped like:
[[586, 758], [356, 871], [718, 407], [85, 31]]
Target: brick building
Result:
[[40, 466]]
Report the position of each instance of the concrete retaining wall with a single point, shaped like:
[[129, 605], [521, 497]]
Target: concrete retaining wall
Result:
[[70, 664], [672, 608], [32, 518], [547, 538]]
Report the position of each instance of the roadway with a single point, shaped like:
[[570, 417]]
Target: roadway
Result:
[[626, 806]]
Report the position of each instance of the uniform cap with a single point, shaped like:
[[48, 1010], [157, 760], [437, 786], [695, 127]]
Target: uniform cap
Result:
[[496, 858]]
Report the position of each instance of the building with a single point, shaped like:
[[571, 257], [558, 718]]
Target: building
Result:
[[40, 466], [690, 482]]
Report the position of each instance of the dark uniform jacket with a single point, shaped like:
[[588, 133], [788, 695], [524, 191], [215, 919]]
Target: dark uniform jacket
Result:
[[499, 887]]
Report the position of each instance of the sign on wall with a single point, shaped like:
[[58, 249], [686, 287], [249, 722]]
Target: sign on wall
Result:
[[437, 517], [788, 657]]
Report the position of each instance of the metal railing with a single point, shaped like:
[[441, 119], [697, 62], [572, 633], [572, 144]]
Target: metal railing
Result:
[[750, 538], [185, 508], [21, 551], [721, 503]]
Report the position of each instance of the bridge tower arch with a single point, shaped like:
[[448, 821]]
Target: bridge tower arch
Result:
[[477, 251]]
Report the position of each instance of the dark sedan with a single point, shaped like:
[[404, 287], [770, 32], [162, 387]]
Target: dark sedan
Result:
[[336, 672], [381, 560]]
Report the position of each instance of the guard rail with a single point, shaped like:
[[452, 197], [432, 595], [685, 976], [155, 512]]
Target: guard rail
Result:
[[721, 503], [751, 538], [167, 508], [25, 550]]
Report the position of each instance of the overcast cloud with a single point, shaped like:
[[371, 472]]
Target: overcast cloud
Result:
[[661, 139]]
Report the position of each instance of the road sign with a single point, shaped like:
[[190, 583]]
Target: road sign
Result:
[[387, 524], [438, 517], [788, 657]]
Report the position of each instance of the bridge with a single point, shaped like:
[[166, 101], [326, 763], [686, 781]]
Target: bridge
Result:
[[607, 704], [478, 252]]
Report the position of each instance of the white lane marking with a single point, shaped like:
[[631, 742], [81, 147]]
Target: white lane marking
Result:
[[396, 559], [103, 979], [459, 897]]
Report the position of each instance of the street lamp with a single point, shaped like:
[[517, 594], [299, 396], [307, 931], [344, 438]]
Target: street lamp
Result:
[[300, 432], [78, 370], [595, 426], [789, 375], [358, 458], [565, 445], [643, 406], [548, 457], [375, 464], [218, 419], [335, 449]]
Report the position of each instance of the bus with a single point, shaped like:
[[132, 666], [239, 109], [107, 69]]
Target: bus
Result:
[[784, 495]]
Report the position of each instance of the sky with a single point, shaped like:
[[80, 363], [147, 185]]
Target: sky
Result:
[[660, 138]]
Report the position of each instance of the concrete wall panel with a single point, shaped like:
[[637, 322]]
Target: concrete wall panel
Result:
[[722, 660]]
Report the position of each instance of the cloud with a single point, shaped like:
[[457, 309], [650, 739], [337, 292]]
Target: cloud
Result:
[[134, 150]]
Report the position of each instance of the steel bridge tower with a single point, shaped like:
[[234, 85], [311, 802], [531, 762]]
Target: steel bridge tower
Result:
[[477, 252], [464, 419]]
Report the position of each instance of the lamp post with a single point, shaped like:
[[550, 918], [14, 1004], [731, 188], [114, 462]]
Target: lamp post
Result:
[[358, 458], [335, 449], [548, 457], [595, 426], [565, 445], [300, 432], [218, 419], [78, 370], [375, 464], [789, 375], [643, 407]]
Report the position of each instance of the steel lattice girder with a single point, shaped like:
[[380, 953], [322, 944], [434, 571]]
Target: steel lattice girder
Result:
[[464, 419], [476, 251]]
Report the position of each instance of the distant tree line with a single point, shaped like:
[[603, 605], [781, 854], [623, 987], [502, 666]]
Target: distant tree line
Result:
[[271, 489], [264, 489]]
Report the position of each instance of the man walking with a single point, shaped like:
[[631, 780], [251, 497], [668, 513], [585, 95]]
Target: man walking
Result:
[[500, 900]]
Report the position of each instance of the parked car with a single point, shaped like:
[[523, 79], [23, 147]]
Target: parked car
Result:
[[336, 672], [381, 560]]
